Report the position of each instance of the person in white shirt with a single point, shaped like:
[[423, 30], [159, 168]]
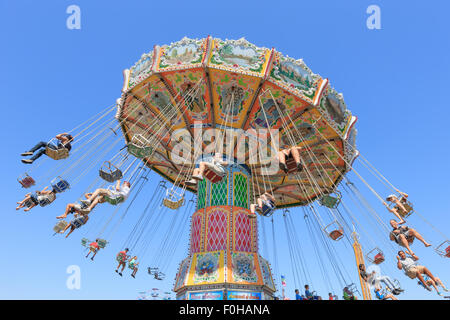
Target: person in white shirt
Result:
[[120, 193], [412, 269]]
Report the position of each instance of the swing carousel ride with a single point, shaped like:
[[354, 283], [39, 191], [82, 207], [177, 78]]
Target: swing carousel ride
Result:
[[191, 101]]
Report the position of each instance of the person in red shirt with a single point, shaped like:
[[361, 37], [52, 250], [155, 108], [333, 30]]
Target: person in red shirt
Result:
[[93, 247], [330, 296], [122, 258]]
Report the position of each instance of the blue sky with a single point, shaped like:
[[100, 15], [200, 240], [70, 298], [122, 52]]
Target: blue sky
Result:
[[393, 79]]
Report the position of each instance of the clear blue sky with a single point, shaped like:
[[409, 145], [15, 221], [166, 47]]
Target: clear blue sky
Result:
[[393, 79]]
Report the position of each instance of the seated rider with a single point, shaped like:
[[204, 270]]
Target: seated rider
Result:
[[93, 247], [285, 154], [42, 198], [309, 295], [122, 258], [264, 203], [120, 194], [77, 221], [412, 270], [399, 207], [216, 164], [133, 264], [405, 236], [64, 140], [80, 208], [373, 279], [380, 296], [430, 282], [348, 295]]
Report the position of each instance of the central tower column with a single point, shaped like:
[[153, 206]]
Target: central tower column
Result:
[[223, 261]]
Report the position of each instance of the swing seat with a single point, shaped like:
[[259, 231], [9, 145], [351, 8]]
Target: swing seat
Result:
[[379, 258], [173, 200], [173, 204], [266, 211], [28, 203], [409, 210], [330, 201], [159, 276], [336, 234], [212, 176], [60, 226], [291, 165], [84, 242], [139, 147], [113, 201], [59, 184], [375, 256], [27, 181], [78, 222], [102, 243], [444, 252], [45, 202], [56, 153], [110, 172]]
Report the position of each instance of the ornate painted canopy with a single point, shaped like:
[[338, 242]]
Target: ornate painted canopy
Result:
[[233, 84]]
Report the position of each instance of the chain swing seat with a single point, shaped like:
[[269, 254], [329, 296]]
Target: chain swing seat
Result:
[[444, 249], [60, 226], [59, 184], [173, 200], [266, 210], [110, 172], [85, 242], [55, 152], [336, 233], [408, 206], [113, 200], [291, 165], [139, 147], [331, 201], [26, 181], [375, 256], [213, 175]]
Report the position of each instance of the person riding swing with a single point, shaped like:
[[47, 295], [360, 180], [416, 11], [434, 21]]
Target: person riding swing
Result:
[[63, 141]]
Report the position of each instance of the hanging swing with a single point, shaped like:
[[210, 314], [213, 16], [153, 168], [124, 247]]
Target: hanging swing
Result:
[[407, 205], [26, 181], [110, 172], [160, 276], [331, 201], [212, 175], [336, 233], [60, 226], [85, 242], [113, 200], [55, 151], [59, 184], [291, 165], [173, 200], [444, 249], [375, 256], [47, 199], [139, 147], [102, 243]]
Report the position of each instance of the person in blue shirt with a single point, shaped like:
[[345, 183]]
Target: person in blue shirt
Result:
[[380, 296], [297, 295], [309, 295]]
